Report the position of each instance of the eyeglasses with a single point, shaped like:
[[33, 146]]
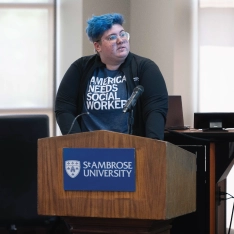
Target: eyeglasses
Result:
[[113, 37]]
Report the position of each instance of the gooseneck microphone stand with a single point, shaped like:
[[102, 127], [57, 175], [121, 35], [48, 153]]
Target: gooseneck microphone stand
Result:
[[130, 120], [131, 102]]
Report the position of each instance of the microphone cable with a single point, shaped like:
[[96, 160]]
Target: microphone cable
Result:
[[86, 113]]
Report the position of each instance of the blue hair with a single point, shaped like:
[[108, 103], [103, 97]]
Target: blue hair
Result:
[[97, 25]]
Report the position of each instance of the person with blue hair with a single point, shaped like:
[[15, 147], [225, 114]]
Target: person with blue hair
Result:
[[97, 25], [96, 89]]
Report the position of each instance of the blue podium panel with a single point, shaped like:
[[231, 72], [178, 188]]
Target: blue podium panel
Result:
[[99, 169]]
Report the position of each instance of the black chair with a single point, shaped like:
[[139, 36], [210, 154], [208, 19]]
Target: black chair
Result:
[[18, 172]]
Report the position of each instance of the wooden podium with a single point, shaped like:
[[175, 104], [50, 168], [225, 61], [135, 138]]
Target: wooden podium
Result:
[[165, 186]]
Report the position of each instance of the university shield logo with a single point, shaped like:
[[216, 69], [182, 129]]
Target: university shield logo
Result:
[[72, 168]]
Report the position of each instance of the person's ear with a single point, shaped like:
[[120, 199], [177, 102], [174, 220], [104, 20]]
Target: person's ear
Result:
[[97, 46]]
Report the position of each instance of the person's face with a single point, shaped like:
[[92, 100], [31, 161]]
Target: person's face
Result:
[[113, 46]]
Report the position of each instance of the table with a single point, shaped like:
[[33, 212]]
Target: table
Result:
[[218, 162]]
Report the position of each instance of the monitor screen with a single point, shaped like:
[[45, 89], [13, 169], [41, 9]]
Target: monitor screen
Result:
[[18, 167], [213, 120]]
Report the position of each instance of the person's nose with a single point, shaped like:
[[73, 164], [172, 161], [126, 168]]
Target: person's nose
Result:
[[120, 40]]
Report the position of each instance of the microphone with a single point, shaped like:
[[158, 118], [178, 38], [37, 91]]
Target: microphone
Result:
[[131, 102], [86, 113]]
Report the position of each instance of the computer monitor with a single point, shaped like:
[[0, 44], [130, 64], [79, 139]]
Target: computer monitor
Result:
[[18, 167], [213, 120]]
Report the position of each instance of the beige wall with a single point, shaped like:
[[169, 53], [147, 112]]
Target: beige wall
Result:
[[165, 31], [152, 34], [162, 30], [185, 81]]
